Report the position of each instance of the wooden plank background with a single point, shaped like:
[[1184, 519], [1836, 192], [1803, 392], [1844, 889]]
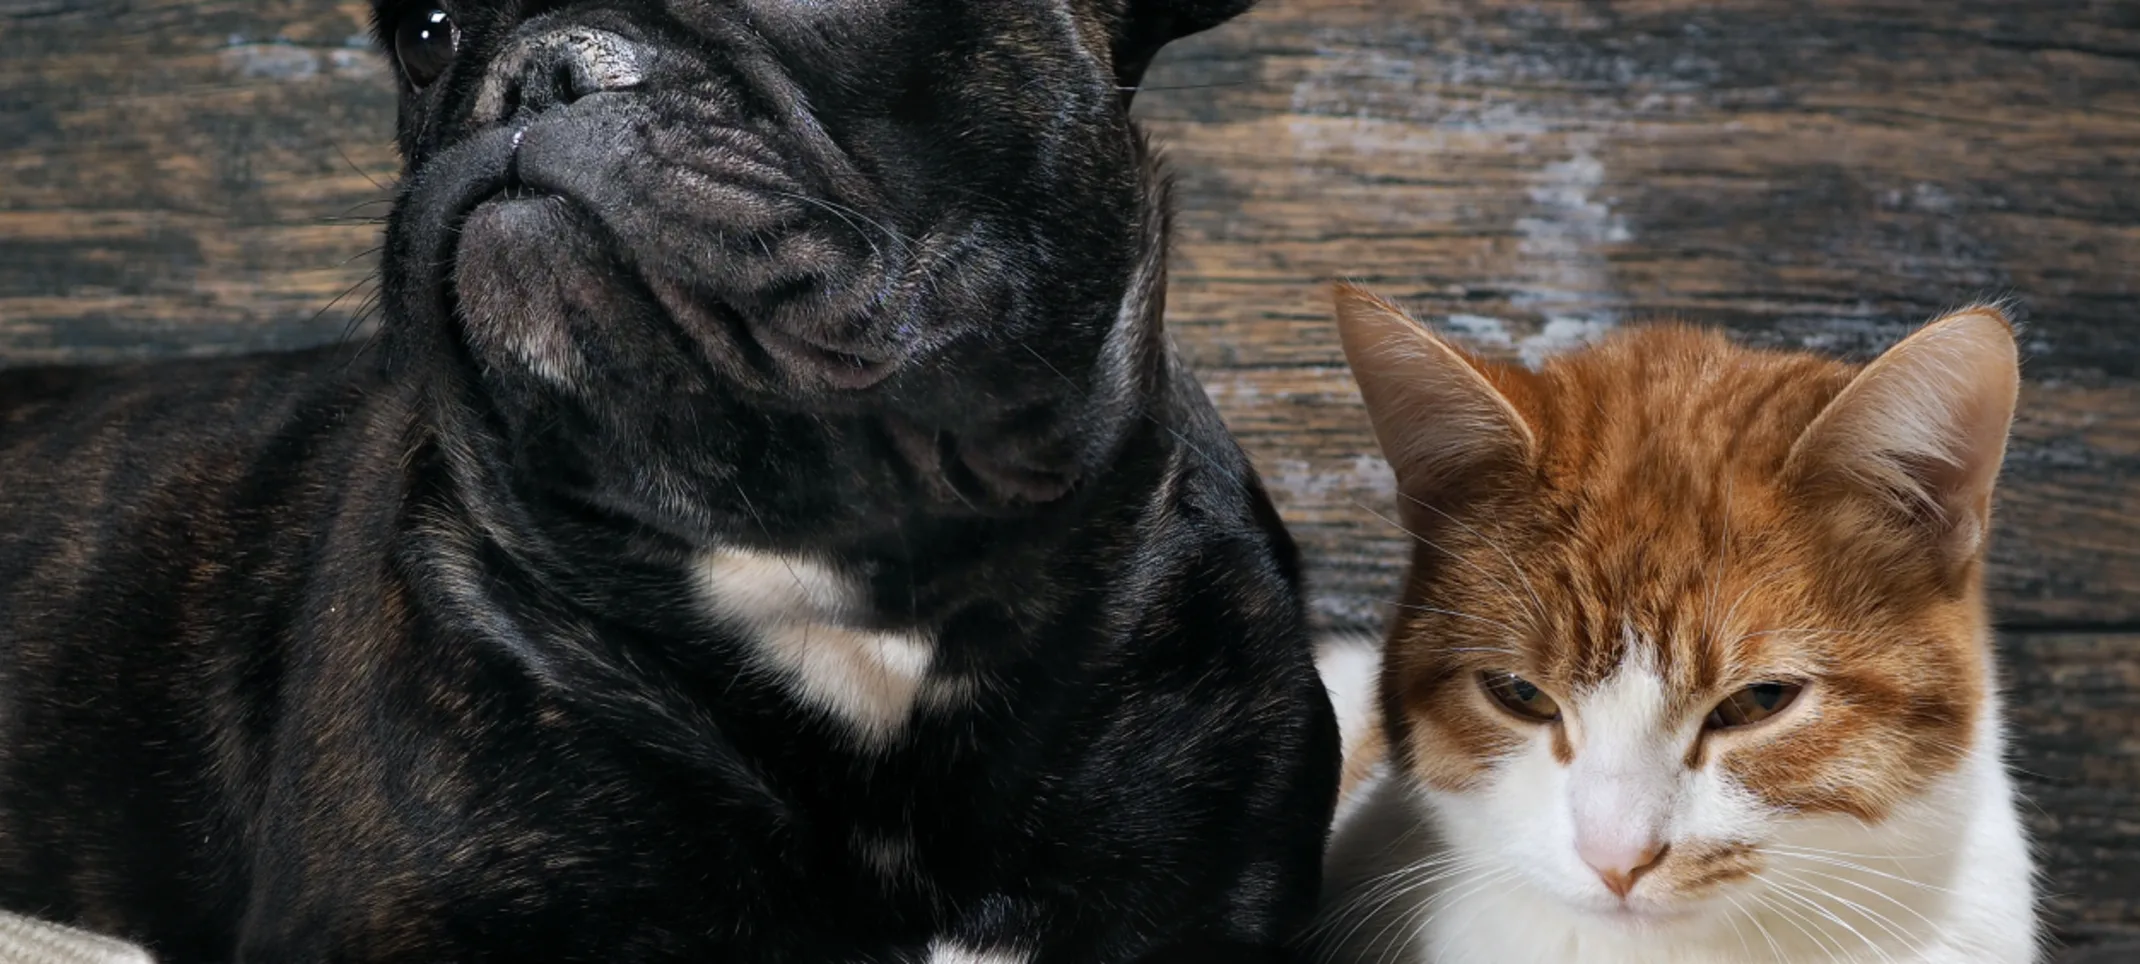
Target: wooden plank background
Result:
[[197, 176]]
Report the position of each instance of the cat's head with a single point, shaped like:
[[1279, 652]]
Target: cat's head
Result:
[[1681, 610]]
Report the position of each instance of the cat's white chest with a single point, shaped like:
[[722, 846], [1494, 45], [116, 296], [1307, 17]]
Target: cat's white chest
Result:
[[803, 621]]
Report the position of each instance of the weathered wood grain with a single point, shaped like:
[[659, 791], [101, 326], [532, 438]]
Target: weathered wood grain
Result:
[[193, 176], [1822, 174], [2074, 707], [2118, 953], [172, 174], [1810, 174]]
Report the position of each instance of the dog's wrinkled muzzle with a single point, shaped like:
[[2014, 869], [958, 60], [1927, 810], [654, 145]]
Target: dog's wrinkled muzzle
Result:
[[593, 191]]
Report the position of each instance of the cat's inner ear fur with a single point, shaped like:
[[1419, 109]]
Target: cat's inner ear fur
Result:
[[1442, 423], [1923, 430]]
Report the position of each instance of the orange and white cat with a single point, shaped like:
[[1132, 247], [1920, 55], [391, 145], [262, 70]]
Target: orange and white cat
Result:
[[1692, 663]]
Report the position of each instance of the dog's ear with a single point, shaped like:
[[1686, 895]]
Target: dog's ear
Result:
[[1144, 26]]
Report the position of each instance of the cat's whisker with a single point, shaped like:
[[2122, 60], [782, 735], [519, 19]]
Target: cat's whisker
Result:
[[1361, 919], [1815, 906], [1794, 850], [1740, 933], [1417, 878], [1390, 887], [1889, 897], [1413, 831], [1404, 922], [1805, 925], [1853, 865], [1738, 911], [1411, 877], [1912, 943], [1868, 888], [1887, 855], [1775, 947], [1429, 862], [1408, 933], [1392, 948], [1416, 867], [1886, 923], [1477, 888]]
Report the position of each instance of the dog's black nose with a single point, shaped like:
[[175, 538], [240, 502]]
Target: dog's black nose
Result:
[[555, 68]]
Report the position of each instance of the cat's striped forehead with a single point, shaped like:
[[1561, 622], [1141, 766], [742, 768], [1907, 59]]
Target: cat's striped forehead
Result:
[[1655, 516], [1653, 530], [1652, 518], [1705, 593]]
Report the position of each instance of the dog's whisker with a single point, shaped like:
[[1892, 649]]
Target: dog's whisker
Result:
[[360, 171]]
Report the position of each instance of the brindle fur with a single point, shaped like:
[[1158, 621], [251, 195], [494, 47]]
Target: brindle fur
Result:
[[390, 651]]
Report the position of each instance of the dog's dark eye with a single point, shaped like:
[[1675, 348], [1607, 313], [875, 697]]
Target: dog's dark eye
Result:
[[424, 41], [1520, 696], [1753, 704]]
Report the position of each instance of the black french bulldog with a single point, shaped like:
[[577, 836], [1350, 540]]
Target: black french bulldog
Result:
[[769, 526]]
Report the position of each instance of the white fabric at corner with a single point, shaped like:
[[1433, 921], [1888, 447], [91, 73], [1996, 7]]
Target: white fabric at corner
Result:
[[25, 940]]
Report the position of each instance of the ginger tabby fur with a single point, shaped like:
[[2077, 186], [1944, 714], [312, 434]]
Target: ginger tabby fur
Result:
[[1693, 661]]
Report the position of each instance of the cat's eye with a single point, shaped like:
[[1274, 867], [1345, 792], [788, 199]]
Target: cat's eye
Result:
[[1753, 704], [425, 41], [1520, 696]]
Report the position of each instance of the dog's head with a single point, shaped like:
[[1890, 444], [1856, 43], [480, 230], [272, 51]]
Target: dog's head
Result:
[[682, 247]]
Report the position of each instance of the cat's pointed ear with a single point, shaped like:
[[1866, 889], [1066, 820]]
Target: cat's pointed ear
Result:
[[1442, 423], [1923, 429]]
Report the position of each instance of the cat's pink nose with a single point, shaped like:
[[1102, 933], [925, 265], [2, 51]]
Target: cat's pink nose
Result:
[[1620, 863]]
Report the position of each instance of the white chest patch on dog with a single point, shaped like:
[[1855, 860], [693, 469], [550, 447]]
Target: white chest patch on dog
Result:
[[952, 952], [805, 621]]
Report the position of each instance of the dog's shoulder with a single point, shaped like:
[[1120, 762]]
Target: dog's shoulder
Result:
[[143, 471]]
